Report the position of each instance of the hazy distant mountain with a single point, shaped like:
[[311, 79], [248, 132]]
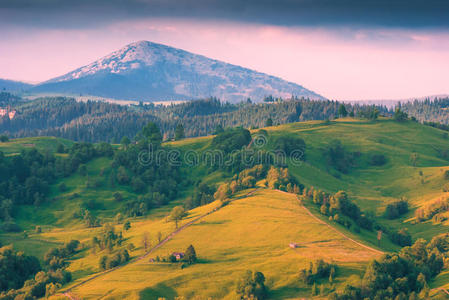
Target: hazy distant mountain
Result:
[[13, 86], [150, 71]]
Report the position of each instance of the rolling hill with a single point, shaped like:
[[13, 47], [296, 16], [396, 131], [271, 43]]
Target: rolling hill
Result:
[[13, 86], [253, 230], [228, 242], [147, 71]]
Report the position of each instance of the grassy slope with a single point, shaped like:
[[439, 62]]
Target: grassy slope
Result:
[[41, 143], [374, 187], [249, 233], [371, 187]]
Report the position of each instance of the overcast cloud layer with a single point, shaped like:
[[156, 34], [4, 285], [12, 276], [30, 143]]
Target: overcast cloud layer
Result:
[[85, 13], [362, 49]]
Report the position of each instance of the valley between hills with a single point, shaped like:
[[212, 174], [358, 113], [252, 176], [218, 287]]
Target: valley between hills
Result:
[[310, 226]]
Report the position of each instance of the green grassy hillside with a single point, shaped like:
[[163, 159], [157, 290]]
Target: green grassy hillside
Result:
[[40, 143], [372, 187], [252, 232]]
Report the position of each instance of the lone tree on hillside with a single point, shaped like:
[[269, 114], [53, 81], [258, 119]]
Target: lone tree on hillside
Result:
[[177, 214], [179, 132], [190, 255], [342, 112], [146, 241]]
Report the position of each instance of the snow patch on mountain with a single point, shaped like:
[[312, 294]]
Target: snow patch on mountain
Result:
[[150, 71]]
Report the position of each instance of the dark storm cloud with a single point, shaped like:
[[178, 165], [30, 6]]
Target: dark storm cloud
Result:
[[88, 13]]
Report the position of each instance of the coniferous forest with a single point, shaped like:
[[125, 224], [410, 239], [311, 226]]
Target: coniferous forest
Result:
[[95, 121]]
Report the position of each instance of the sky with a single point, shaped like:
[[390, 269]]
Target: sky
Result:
[[344, 50]]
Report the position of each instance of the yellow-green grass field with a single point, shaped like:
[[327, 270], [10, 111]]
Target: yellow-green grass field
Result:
[[14, 146], [249, 233], [371, 187]]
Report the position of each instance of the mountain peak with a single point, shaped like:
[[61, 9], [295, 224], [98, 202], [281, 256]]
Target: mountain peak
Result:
[[145, 71]]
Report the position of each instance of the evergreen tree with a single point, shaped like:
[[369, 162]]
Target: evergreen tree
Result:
[[342, 112], [179, 132], [190, 255], [152, 133]]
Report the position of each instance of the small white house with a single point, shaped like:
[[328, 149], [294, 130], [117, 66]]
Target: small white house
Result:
[[293, 245]]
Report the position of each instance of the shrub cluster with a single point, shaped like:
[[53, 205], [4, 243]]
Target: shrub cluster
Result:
[[252, 286], [317, 270], [280, 178], [339, 208], [431, 210], [114, 260], [401, 237], [16, 268], [396, 209], [338, 157], [202, 195], [55, 258], [378, 160], [403, 275], [22, 278], [107, 239], [245, 179]]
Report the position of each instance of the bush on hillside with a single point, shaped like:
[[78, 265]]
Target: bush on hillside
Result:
[[402, 275], [202, 195], [399, 115], [428, 211], [401, 238], [114, 260], [378, 160], [16, 268], [396, 209], [338, 157], [317, 270], [291, 144], [231, 139], [252, 286]]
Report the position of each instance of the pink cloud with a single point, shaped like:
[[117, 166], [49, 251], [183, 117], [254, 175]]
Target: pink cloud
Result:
[[339, 63]]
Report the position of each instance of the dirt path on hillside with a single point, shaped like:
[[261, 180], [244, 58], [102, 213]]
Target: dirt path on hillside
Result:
[[333, 228], [69, 294]]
